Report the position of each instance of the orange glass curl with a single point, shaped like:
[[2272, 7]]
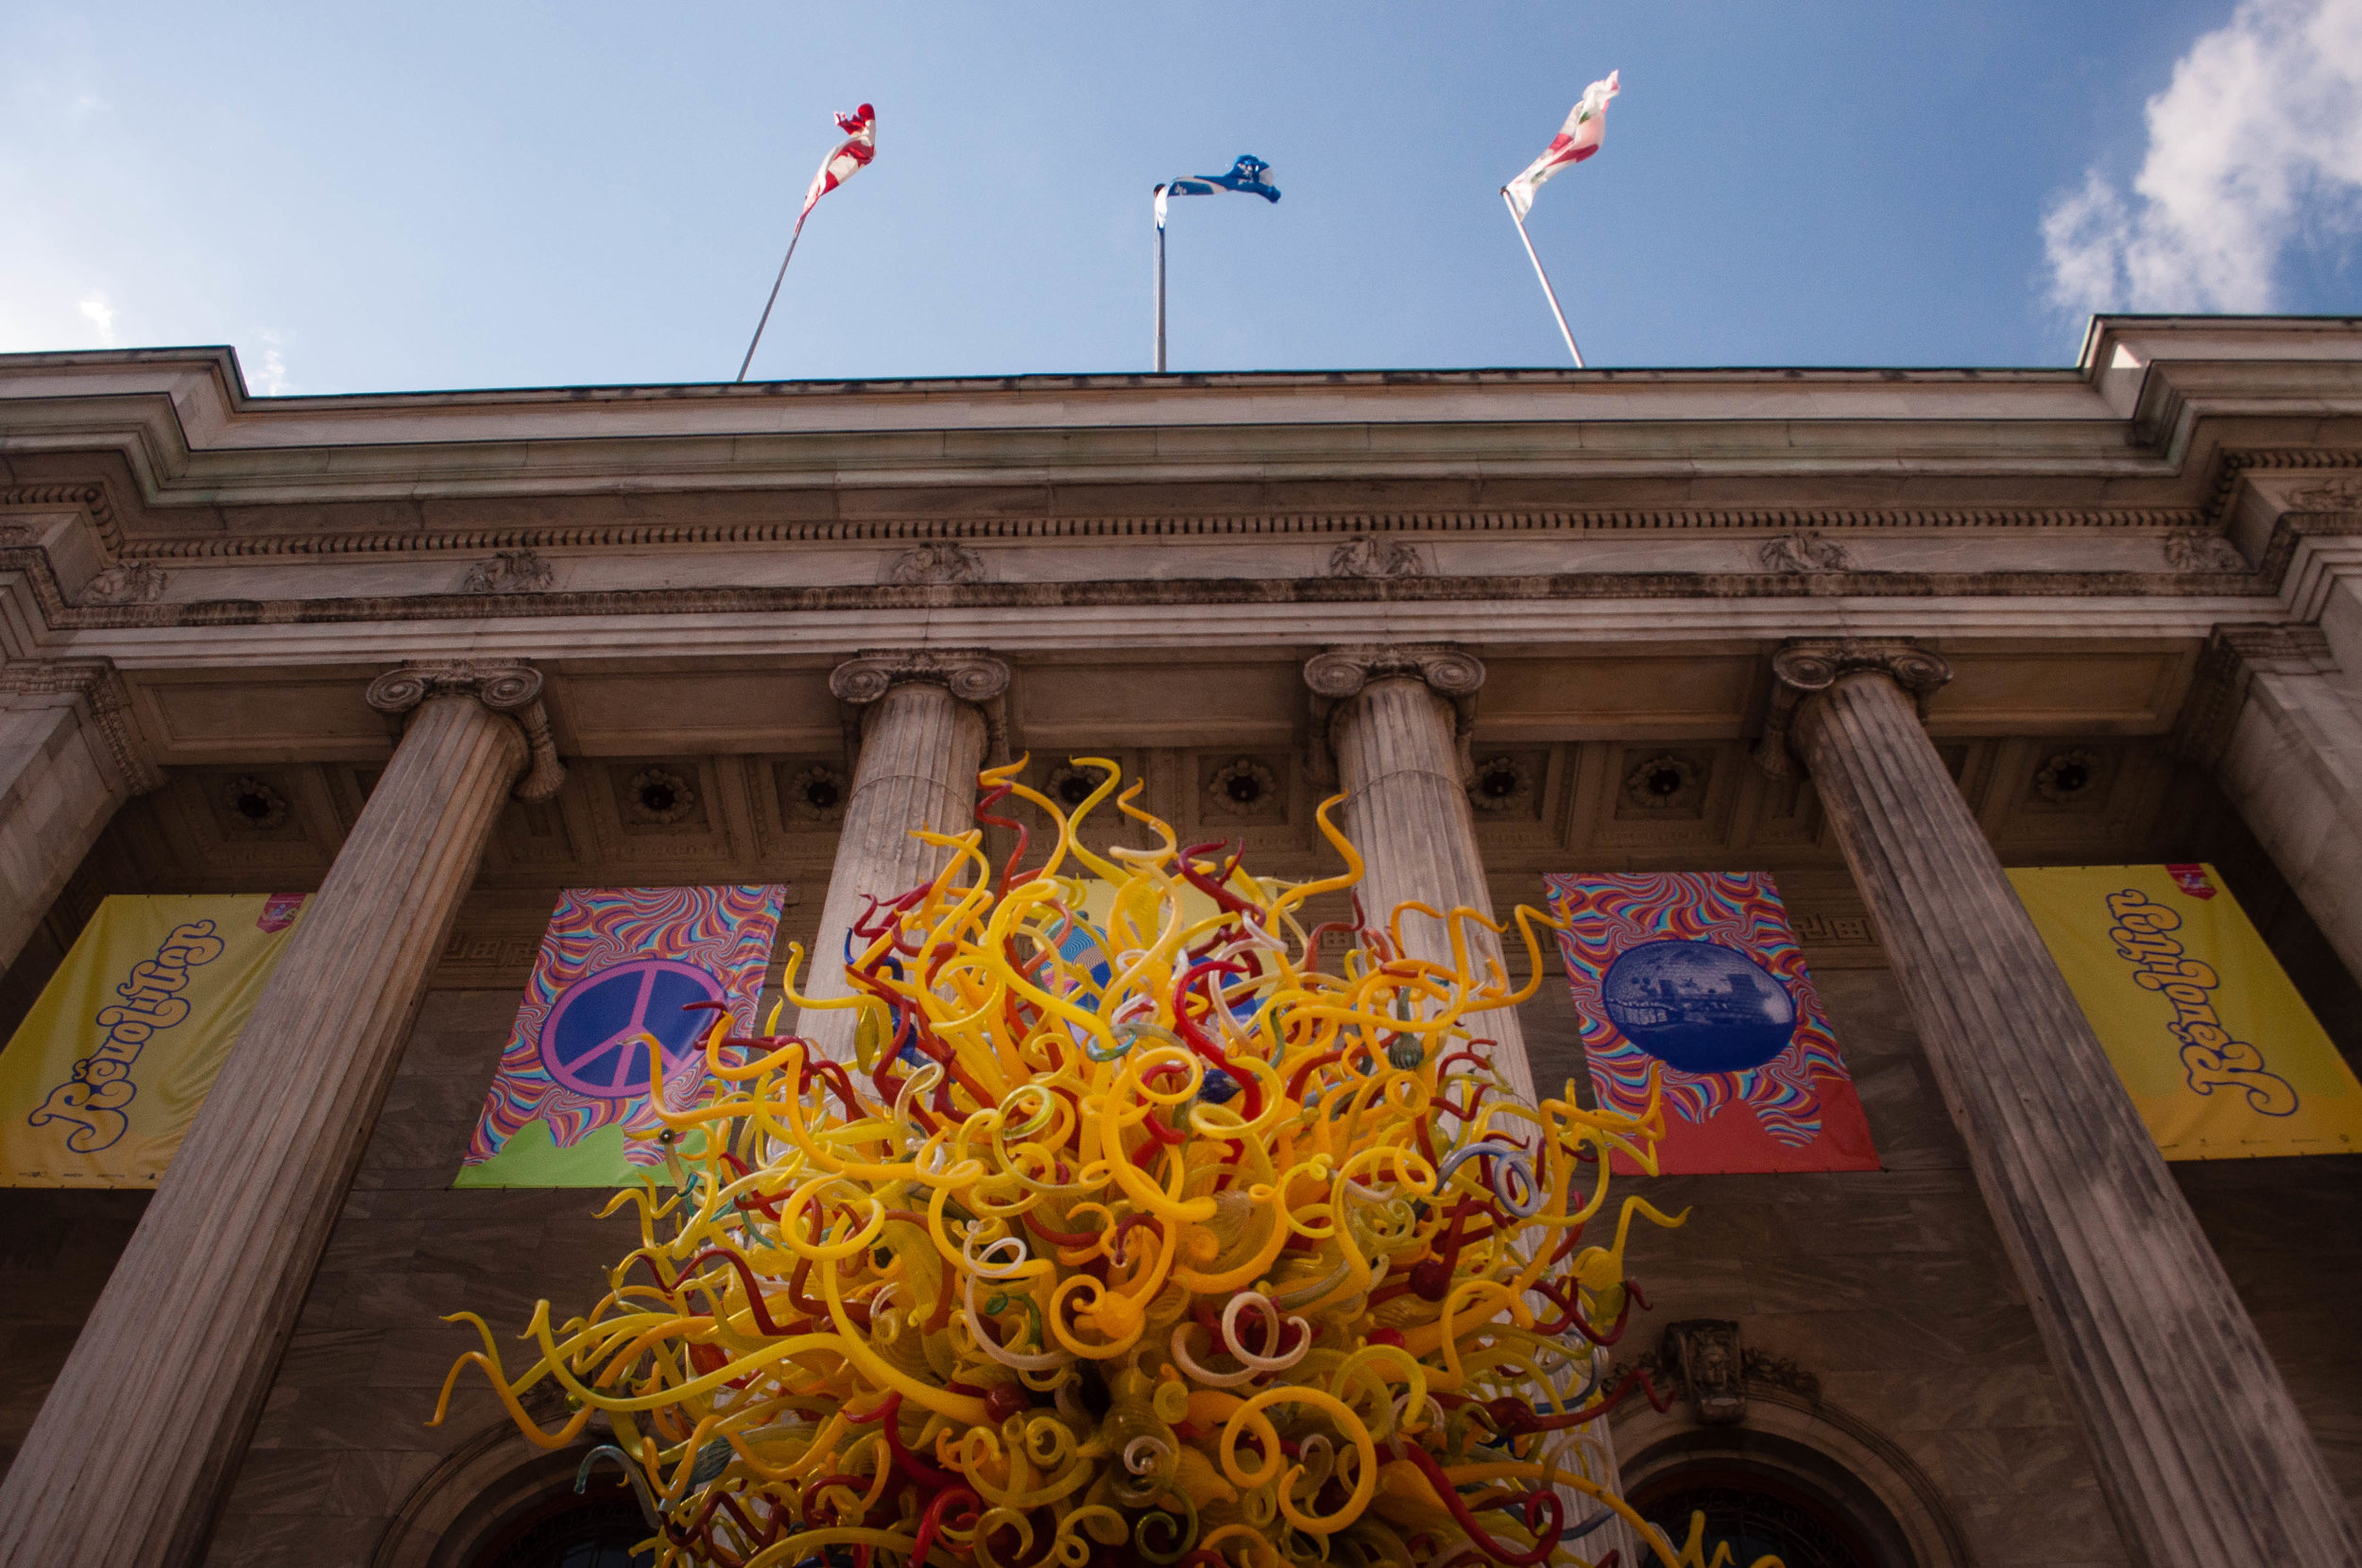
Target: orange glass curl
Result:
[[1133, 1235]]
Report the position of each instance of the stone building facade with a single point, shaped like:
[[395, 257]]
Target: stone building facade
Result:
[[434, 657]]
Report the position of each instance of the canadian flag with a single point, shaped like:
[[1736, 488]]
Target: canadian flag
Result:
[[859, 146], [1577, 139]]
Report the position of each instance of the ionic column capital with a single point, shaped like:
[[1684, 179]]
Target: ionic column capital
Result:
[[1805, 667], [970, 674], [106, 701], [1337, 675], [507, 687]]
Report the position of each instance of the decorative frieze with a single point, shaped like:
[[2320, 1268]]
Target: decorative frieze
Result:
[[1803, 554], [125, 583], [511, 571], [935, 561]]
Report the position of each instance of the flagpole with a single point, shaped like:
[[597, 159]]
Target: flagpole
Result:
[[1158, 193], [1548, 293], [782, 278]]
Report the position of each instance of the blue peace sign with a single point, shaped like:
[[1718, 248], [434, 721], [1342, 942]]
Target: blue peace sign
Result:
[[592, 1040]]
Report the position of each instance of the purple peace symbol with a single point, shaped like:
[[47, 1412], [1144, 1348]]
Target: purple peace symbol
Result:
[[590, 1040]]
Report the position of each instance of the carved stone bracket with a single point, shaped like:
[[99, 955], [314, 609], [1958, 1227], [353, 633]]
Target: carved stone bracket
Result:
[[1809, 665], [510, 688], [101, 687], [970, 674], [1337, 675], [2233, 657], [1705, 1361]]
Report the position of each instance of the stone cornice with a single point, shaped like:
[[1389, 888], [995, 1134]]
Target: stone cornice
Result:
[[2137, 427], [96, 682], [507, 687], [2234, 656]]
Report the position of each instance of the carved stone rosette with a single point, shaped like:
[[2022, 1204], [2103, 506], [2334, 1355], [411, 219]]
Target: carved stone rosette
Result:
[[1808, 665], [969, 674], [510, 688], [1337, 675]]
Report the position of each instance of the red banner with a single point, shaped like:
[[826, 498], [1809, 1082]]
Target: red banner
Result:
[[1697, 977]]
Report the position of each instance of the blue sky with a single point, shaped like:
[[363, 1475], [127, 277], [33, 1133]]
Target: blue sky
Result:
[[433, 196]]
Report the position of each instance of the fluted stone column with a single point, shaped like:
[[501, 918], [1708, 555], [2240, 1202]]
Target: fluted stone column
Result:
[[1395, 719], [925, 720], [67, 759], [129, 1458], [1397, 722], [2202, 1452]]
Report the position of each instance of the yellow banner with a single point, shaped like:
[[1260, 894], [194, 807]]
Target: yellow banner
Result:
[[2221, 1055], [106, 1073]]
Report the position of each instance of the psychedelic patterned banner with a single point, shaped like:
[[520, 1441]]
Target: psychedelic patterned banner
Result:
[[106, 1072], [569, 1107], [1698, 976], [2219, 1054]]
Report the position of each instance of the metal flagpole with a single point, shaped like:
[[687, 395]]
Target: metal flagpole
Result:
[[1160, 194], [782, 278], [1548, 293]]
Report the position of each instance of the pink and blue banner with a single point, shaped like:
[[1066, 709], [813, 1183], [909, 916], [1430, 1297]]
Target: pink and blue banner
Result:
[[1697, 977], [618, 966]]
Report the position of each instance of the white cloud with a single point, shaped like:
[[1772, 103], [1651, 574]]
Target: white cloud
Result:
[[2257, 140], [100, 315], [268, 373]]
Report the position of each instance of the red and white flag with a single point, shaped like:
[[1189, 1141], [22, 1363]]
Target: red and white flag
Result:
[[1577, 139], [851, 155]]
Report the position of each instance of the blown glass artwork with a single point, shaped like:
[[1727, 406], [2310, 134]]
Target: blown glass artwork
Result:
[[1133, 1236]]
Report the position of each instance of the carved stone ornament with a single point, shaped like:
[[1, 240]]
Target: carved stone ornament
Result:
[[1502, 784], [2343, 494], [816, 796], [1243, 787], [511, 571], [96, 682], [16, 534], [2197, 550], [1337, 675], [253, 805], [505, 687], [936, 561], [658, 797], [1802, 554], [1664, 783], [1803, 668], [1712, 1367], [2065, 776], [969, 674], [1368, 557], [125, 583]]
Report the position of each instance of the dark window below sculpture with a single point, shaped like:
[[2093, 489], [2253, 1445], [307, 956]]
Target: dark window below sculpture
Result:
[[569, 1531], [1758, 1515]]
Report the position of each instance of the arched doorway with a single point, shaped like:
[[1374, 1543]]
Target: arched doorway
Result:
[[561, 1529], [1759, 1512]]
